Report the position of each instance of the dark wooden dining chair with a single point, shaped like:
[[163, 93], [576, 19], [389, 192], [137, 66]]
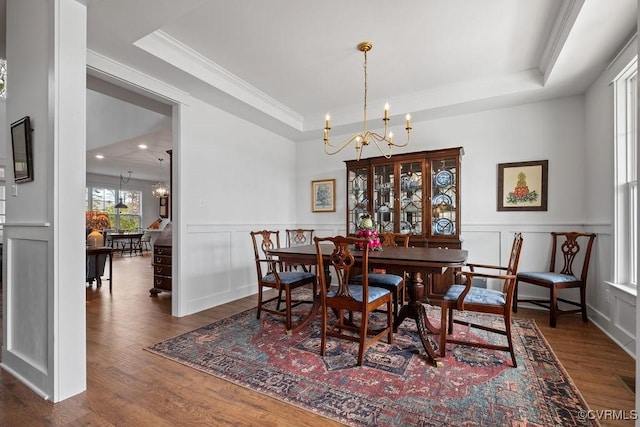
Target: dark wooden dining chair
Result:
[[350, 298], [464, 297], [299, 237], [272, 274], [394, 283], [561, 275]]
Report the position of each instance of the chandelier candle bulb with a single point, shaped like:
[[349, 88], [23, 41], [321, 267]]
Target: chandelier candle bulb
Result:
[[326, 122], [408, 121], [386, 111]]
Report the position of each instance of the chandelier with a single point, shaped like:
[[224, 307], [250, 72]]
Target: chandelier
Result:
[[366, 137], [160, 189]]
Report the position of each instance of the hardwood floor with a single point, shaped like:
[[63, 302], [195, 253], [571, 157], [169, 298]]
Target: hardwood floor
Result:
[[128, 386]]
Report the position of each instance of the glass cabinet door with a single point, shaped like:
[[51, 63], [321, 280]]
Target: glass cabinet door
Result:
[[444, 197], [384, 197], [411, 198], [357, 205]]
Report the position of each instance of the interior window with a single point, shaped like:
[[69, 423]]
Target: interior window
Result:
[[105, 200]]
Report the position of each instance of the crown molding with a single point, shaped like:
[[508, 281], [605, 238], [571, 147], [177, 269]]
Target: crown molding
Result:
[[566, 18], [176, 53], [116, 72]]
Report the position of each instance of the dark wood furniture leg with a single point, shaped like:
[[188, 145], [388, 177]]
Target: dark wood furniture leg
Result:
[[110, 255], [96, 269], [415, 310]]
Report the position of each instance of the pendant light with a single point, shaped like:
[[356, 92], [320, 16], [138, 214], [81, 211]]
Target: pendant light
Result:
[[123, 180]]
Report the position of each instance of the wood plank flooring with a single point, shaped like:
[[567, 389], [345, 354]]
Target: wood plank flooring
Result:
[[131, 387]]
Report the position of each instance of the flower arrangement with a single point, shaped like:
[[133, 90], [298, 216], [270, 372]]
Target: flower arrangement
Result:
[[367, 229], [97, 220]]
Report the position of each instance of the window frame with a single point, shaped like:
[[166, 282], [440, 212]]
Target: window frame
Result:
[[625, 176], [116, 215]]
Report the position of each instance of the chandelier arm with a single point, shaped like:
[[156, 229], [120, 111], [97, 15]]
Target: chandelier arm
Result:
[[377, 137], [340, 147], [376, 140]]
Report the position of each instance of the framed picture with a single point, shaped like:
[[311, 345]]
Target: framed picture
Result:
[[164, 211], [523, 186], [22, 150], [323, 195]]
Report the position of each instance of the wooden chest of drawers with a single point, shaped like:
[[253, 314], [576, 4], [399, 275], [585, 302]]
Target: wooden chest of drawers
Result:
[[162, 263]]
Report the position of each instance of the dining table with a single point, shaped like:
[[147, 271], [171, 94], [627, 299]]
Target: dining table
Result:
[[127, 242], [413, 261]]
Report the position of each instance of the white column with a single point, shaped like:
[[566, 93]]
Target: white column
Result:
[[44, 342]]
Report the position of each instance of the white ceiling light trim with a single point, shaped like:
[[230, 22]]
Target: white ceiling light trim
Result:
[[567, 15], [167, 48], [114, 71]]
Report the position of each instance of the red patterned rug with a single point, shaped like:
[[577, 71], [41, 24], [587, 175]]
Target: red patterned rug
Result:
[[396, 386]]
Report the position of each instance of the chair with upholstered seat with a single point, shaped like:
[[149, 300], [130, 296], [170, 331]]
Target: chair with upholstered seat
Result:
[[349, 297], [464, 297], [299, 237], [561, 276], [271, 274], [394, 283]]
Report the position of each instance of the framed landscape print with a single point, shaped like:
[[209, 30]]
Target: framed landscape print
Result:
[[323, 195], [523, 186]]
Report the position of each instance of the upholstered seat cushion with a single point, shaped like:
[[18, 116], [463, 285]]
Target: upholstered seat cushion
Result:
[[288, 277], [476, 295], [356, 292], [549, 277], [379, 279]]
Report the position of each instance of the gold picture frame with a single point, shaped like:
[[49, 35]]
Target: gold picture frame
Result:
[[323, 195], [522, 186]]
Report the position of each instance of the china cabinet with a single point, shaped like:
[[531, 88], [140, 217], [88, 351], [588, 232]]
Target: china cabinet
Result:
[[414, 193]]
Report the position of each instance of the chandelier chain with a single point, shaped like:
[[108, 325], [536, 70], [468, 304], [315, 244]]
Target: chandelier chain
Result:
[[366, 87]]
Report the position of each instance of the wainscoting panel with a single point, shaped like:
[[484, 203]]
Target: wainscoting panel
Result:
[[27, 310], [623, 322]]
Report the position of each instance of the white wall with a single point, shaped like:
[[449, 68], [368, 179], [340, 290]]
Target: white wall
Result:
[[44, 336], [551, 130], [580, 171], [234, 177], [612, 308]]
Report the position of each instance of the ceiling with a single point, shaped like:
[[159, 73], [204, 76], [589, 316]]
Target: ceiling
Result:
[[283, 64]]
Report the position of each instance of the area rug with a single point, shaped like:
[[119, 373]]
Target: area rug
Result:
[[396, 386]]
